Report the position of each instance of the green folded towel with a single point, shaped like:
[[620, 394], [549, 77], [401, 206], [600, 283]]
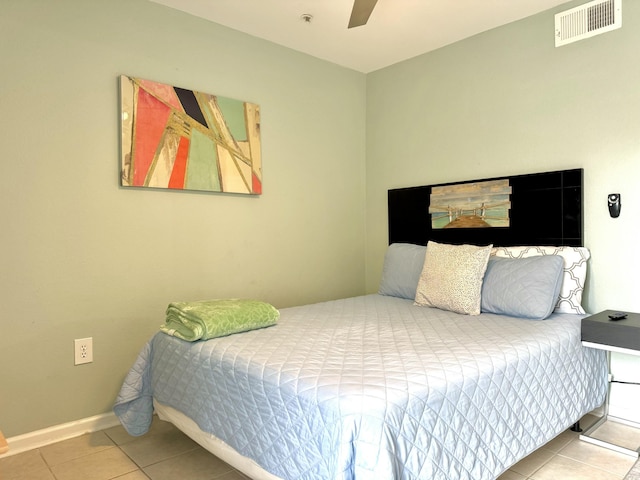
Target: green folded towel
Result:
[[207, 319]]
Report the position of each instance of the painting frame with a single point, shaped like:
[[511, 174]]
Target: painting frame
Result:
[[180, 139]]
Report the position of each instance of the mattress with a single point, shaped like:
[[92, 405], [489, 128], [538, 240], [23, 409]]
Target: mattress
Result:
[[374, 387]]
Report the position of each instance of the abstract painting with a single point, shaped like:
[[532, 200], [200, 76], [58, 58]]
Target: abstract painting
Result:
[[187, 140], [471, 205]]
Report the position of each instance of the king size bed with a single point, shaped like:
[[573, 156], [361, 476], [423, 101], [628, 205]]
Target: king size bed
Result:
[[414, 382]]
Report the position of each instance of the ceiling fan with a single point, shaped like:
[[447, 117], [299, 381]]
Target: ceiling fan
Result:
[[361, 11]]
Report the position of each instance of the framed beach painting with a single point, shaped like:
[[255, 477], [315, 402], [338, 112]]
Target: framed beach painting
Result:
[[188, 140]]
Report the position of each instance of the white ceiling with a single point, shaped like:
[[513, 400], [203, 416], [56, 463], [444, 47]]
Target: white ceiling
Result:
[[397, 29]]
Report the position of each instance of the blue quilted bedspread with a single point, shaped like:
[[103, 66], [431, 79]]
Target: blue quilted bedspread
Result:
[[374, 387]]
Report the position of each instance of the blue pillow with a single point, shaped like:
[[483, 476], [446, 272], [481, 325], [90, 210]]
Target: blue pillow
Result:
[[522, 287], [403, 264]]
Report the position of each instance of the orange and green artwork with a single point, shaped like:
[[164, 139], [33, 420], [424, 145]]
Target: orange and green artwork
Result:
[[187, 140]]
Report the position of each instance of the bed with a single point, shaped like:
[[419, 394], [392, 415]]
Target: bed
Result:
[[387, 385]]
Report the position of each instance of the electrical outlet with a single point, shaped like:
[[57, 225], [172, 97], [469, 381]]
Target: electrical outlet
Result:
[[83, 350]]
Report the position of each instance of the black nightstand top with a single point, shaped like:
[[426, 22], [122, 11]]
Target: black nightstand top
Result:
[[625, 333]]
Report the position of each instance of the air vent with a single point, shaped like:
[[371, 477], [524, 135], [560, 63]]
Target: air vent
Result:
[[587, 20]]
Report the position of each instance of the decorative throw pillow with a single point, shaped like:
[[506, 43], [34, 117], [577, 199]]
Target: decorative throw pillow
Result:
[[403, 264], [574, 276], [451, 278], [522, 287]]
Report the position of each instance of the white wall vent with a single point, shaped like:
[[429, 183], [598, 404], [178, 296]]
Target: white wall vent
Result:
[[587, 20]]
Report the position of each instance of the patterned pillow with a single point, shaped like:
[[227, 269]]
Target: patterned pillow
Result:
[[574, 276], [451, 278]]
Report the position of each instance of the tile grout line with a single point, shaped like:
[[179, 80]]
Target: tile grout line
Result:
[[44, 460], [594, 466]]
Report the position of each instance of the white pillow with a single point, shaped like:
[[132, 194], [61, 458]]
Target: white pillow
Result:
[[451, 278], [574, 272]]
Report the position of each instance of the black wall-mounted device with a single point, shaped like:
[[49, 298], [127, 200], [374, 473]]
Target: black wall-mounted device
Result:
[[614, 204]]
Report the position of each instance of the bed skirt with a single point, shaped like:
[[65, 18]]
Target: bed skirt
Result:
[[212, 443]]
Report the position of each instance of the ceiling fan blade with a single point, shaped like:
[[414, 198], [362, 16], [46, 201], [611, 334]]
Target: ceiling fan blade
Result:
[[361, 11]]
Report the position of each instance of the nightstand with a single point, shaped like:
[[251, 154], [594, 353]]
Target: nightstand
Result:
[[599, 331]]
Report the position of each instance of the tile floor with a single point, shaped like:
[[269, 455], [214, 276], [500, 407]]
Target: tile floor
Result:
[[166, 454]]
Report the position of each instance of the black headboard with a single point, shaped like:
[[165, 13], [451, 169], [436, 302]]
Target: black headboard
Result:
[[545, 209]]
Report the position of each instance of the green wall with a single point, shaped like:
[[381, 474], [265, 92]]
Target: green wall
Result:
[[508, 102], [83, 257]]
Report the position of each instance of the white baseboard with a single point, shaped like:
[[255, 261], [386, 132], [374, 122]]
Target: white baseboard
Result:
[[57, 433]]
